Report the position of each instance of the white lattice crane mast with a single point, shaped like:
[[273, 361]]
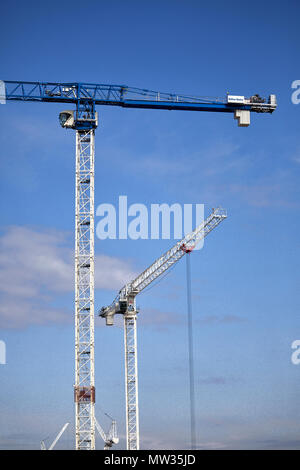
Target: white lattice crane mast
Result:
[[125, 304], [84, 122]]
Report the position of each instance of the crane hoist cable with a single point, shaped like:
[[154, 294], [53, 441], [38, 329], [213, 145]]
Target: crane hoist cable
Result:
[[190, 351], [190, 343]]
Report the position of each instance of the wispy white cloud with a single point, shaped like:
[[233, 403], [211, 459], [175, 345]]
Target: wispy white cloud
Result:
[[158, 319], [211, 445], [296, 156], [19, 312], [112, 272], [217, 159], [258, 195], [152, 318], [221, 171], [34, 262], [36, 267], [217, 380], [278, 188], [215, 319], [172, 440]]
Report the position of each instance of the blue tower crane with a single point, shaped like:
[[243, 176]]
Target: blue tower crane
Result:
[[84, 119], [86, 95]]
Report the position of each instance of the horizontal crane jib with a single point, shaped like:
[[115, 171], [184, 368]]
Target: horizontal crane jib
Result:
[[164, 262], [127, 97], [176, 252]]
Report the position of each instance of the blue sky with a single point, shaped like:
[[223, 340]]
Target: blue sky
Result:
[[246, 277]]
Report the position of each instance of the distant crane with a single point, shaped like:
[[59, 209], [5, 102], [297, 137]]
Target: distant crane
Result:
[[84, 119], [43, 445], [111, 437], [125, 304]]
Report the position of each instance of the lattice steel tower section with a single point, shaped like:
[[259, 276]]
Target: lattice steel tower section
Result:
[[84, 292], [131, 377], [85, 122]]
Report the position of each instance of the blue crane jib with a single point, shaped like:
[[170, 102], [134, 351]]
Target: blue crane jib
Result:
[[85, 96]]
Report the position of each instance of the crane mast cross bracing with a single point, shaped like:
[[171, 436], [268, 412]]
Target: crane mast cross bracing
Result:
[[131, 380], [84, 390]]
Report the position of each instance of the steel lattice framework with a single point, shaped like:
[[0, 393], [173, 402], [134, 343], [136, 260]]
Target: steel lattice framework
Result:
[[126, 97], [84, 292], [176, 252], [131, 381]]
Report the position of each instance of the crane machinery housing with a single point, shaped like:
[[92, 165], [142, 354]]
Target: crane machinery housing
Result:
[[111, 437], [84, 120]]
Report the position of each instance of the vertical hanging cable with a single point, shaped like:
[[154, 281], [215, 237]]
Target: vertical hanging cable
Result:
[[191, 353]]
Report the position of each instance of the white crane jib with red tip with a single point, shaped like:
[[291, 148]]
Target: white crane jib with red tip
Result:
[[125, 304]]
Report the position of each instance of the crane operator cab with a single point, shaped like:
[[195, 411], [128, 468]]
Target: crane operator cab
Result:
[[68, 119]]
